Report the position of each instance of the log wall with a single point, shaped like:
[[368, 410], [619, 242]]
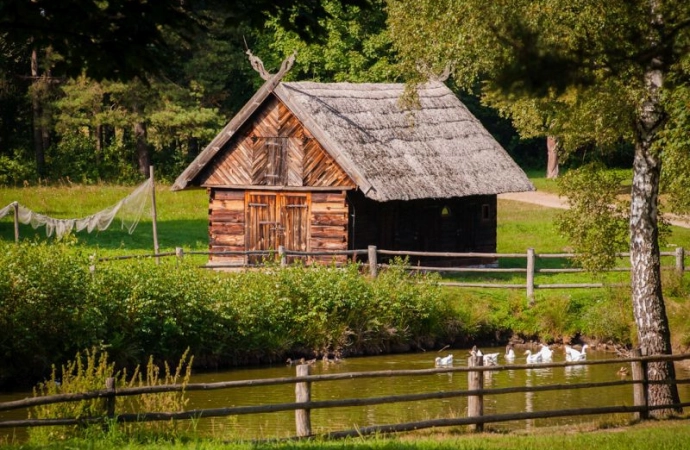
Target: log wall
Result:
[[226, 215]]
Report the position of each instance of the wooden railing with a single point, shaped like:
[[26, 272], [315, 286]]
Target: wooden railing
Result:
[[303, 404], [374, 255]]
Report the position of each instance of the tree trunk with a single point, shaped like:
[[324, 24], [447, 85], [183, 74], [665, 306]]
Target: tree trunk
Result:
[[551, 158], [38, 132], [653, 331], [143, 160]]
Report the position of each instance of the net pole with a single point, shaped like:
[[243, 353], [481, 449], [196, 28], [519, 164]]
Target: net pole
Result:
[[15, 208], [154, 215]]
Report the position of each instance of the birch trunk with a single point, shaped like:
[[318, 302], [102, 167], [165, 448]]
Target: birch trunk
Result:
[[551, 158], [653, 331]]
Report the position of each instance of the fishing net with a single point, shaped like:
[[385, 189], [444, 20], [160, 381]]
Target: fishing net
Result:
[[129, 210]]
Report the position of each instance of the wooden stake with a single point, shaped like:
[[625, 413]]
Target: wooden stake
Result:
[[154, 216], [475, 381], [303, 394], [530, 276], [639, 373]]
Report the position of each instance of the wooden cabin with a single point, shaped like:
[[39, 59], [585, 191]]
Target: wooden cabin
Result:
[[338, 166]]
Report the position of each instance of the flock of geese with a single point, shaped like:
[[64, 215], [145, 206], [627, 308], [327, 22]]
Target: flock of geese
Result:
[[544, 355]]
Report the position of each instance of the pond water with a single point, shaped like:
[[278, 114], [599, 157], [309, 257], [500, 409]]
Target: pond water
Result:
[[282, 424]]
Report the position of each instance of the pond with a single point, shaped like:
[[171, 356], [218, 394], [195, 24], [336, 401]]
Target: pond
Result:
[[282, 424]]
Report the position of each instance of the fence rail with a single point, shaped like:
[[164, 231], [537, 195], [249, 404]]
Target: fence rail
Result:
[[373, 255], [303, 404]]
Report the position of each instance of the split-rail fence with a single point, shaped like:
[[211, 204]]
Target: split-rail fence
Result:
[[303, 404], [373, 257]]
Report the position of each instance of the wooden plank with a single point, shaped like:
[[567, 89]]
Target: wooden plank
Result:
[[218, 229], [228, 205], [318, 219], [228, 194], [329, 207], [327, 244], [227, 239], [220, 216], [328, 231], [326, 197]]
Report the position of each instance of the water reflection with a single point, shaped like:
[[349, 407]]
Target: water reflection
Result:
[[282, 424]]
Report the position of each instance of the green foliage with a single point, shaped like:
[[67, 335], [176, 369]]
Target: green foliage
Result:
[[88, 372], [53, 306], [356, 47], [674, 146], [597, 221]]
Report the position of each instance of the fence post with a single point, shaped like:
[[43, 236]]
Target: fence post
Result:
[[639, 373], [680, 260], [302, 395], [530, 275], [179, 252], [282, 256], [110, 399], [373, 269], [15, 206], [475, 381]]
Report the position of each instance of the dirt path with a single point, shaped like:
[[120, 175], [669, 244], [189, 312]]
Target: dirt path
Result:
[[554, 201]]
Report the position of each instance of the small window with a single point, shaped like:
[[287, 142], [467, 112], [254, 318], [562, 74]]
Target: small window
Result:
[[276, 149], [486, 212], [446, 212]]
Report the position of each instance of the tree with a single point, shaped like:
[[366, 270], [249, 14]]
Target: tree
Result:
[[354, 47], [121, 39], [603, 70]]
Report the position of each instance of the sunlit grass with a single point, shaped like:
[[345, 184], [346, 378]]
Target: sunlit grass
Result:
[[666, 435]]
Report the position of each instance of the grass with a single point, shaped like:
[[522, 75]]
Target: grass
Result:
[[181, 217], [666, 435]]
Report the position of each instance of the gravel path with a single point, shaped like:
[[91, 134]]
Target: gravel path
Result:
[[554, 201]]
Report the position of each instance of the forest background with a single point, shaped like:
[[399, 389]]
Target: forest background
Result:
[[58, 124]]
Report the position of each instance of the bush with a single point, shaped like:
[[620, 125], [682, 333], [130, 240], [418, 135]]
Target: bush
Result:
[[52, 306]]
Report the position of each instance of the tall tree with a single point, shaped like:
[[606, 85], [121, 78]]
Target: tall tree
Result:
[[604, 65]]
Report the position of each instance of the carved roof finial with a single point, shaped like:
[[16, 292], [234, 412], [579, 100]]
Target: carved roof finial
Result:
[[258, 65], [424, 69]]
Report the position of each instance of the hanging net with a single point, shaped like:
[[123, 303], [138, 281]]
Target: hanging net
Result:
[[129, 210]]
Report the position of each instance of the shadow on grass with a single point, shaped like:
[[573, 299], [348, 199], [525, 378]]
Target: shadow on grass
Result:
[[188, 234]]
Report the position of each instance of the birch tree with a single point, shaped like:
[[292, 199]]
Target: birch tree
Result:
[[603, 70]]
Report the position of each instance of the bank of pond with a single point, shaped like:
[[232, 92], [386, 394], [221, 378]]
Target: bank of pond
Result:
[[605, 388]]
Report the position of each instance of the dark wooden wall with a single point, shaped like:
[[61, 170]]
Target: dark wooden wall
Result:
[[453, 225]]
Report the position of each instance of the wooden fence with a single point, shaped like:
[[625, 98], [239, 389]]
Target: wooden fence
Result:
[[303, 405], [374, 255]]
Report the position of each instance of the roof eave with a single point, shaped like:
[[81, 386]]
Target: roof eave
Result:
[[227, 132]]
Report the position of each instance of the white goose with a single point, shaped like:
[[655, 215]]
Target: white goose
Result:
[[546, 353], [573, 355], [446, 361], [490, 359], [533, 358], [510, 353]]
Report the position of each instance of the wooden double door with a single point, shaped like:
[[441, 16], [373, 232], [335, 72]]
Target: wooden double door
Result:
[[275, 219]]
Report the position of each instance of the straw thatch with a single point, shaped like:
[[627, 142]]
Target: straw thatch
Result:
[[437, 151]]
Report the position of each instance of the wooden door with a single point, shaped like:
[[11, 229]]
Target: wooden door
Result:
[[294, 218], [275, 219], [262, 224]]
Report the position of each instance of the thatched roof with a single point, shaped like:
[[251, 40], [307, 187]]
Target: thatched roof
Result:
[[437, 151]]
